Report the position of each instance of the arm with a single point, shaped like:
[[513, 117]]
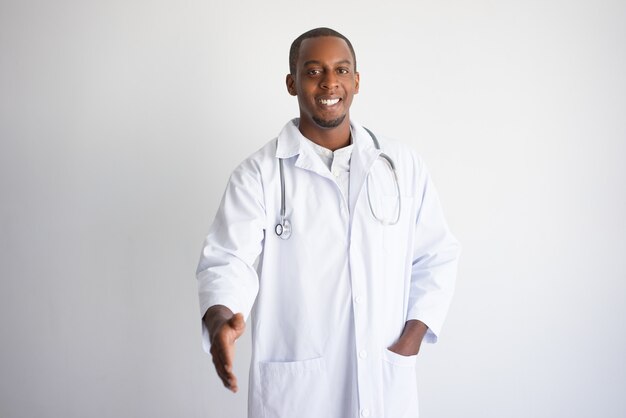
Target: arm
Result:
[[435, 259], [227, 279]]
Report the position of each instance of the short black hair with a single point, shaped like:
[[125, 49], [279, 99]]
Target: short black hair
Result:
[[294, 51]]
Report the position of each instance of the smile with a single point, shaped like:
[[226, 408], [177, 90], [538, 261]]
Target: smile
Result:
[[329, 102]]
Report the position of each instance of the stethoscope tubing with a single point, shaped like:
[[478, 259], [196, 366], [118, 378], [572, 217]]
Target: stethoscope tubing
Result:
[[395, 178], [283, 228]]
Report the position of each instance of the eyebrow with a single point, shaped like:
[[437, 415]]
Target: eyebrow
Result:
[[318, 62]]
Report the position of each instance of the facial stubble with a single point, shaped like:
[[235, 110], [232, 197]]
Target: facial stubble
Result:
[[333, 123]]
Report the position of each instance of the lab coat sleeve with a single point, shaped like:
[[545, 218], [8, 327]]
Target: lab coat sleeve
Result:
[[435, 258], [226, 273]]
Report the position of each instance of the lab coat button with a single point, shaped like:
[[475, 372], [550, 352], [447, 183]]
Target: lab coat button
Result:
[[363, 354], [358, 299], [365, 412]]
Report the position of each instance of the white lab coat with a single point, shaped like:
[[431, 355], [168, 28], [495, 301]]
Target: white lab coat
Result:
[[327, 302]]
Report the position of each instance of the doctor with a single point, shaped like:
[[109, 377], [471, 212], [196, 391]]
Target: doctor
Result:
[[340, 265]]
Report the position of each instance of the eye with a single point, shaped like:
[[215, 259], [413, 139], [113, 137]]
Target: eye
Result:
[[313, 71], [343, 71]]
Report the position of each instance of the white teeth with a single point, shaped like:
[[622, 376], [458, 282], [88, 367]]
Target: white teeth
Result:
[[329, 102]]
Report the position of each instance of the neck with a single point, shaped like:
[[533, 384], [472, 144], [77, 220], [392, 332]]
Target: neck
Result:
[[330, 138]]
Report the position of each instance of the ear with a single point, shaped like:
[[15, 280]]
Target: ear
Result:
[[291, 85], [357, 81]]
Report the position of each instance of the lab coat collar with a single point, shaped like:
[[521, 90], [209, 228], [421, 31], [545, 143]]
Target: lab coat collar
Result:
[[291, 142], [363, 157]]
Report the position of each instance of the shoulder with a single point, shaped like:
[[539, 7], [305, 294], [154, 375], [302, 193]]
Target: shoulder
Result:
[[248, 179], [410, 168], [403, 155], [258, 161]]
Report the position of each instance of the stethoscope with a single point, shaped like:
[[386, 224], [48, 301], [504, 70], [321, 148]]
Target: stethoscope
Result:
[[283, 228]]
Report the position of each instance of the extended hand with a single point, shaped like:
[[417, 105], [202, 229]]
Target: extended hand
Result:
[[224, 332]]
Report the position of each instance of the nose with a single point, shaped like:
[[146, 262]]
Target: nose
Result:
[[329, 81]]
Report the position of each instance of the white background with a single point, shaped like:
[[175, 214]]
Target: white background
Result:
[[120, 122]]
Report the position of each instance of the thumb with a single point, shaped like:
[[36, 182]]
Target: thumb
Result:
[[237, 323]]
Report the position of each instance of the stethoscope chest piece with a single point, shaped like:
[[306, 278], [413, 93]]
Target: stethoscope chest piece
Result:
[[283, 229]]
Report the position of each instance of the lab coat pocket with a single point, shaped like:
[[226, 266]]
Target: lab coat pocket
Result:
[[400, 386], [294, 389]]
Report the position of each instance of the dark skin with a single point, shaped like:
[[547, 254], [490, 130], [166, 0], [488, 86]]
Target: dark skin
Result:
[[324, 71], [325, 82], [224, 329]]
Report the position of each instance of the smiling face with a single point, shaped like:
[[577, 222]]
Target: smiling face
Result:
[[325, 82]]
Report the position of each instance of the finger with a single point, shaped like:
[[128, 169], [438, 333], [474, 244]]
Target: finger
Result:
[[224, 355], [228, 379], [224, 367], [226, 351], [233, 384], [223, 349], [223, 370], [219, 366]]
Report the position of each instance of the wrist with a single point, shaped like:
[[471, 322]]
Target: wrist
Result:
[[411, 339], [215, 317], [415, 329]]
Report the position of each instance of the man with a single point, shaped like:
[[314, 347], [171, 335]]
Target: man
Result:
[[345, 265]]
